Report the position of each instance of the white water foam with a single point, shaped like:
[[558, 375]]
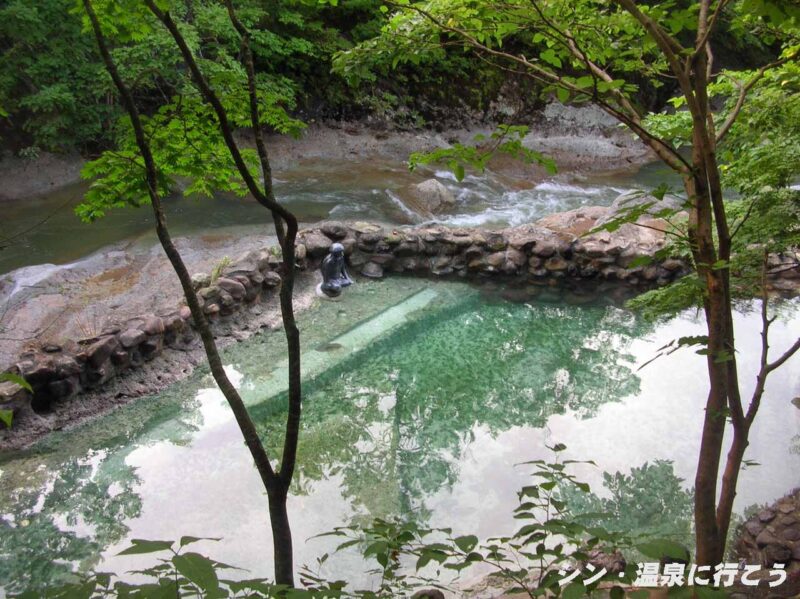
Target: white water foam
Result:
[[511, 208]]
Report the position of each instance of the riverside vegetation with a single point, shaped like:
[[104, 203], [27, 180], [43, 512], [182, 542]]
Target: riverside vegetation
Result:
[[732, 125]]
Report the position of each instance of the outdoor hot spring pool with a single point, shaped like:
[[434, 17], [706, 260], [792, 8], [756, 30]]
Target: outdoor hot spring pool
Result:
[[420, 400]]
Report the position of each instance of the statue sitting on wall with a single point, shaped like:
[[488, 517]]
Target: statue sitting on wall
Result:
[[334, 272]]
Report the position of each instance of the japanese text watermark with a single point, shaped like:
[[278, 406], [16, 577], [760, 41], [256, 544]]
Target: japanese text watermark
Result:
[[652, 574]]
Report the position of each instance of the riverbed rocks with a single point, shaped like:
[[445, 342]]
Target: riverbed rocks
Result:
[[427, 198], [372, 270], [59, 372], [316, 244], [642, 205], [201, 279], [784, 272]]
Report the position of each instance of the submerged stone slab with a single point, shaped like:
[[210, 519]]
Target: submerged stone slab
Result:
[[316, 362]]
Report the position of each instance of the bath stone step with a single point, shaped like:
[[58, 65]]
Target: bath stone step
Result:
[[315, 362]]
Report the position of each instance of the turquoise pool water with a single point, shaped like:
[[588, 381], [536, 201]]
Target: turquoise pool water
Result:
[[420, 398]]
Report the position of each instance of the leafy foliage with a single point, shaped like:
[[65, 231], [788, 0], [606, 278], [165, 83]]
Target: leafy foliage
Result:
[[759, 160], [532, 561], [186, 146], [414, 33], [52, 85], [55, 94], [179, 574], [506, 139]]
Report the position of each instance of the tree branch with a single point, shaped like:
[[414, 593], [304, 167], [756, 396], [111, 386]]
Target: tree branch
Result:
[[222, 117], [743, 91], [255, 119], [663, 149], [243, 419], [710, 26]]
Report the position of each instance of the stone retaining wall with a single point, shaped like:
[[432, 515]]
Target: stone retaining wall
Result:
[[548, 251], [59, 372], [773, 536]]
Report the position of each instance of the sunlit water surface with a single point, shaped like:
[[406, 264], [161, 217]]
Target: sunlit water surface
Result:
[[420, 399]]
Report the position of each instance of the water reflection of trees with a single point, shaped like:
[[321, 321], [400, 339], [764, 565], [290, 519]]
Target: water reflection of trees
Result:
[[393, 421], [649, 502], [61, 505]]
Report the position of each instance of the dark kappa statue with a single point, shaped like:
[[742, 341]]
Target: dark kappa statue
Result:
[[334, 272]]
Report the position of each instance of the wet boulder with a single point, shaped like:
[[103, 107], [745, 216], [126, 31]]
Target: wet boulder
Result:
[[200, 280], [14, 399], [153, 325], [334, 230], [271, 279], [317, 244], [131, 337], [574, 222], [772, 535], [100, 351], [372, 270], [427, 198]]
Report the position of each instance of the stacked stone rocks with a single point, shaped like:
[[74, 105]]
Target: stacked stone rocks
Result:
[[244, 281], [57, 372], [773, 536], [784, 271], [548, 251]]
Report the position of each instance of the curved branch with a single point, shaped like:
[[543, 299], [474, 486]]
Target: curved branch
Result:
[[255, 119], [243, 419], [663, 149], [744, 89]]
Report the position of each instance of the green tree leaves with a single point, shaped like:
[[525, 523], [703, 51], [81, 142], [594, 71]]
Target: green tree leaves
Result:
[[52, 85], [506, 139], [144, 546], [200, 571], [186, 146]]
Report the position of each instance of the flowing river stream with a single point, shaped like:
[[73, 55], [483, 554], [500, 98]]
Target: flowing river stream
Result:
[[45, 229], [421, 398]]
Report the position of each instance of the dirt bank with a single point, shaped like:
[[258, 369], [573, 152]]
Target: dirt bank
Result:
[[22, 178], [580, 139]]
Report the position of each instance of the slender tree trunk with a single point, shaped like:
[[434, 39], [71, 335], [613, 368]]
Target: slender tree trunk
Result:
[[281, 536], [711, 255], [281, 216], [715, 306], [707, 531], [730, 478], [276, 484]]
